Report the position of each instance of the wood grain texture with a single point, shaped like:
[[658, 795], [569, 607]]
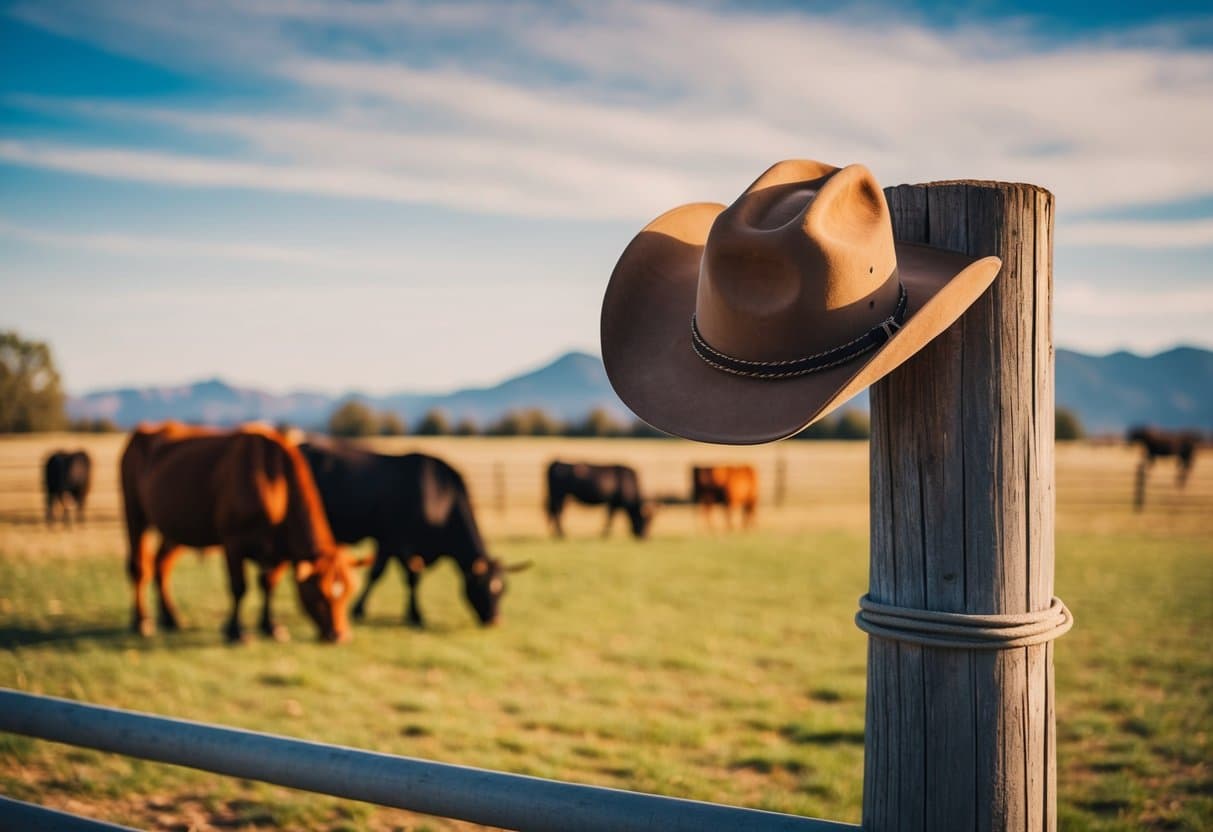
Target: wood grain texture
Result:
[[962, 509]]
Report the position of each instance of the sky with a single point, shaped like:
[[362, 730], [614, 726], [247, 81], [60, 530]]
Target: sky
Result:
[[383, 196]]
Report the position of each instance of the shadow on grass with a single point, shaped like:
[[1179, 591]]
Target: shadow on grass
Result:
[[396, 622], [801, 736], [114, 637], [36, 518]]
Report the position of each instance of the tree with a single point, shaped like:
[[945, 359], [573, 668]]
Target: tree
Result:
[[1066, 425], [537, 422], [527, 422], [353, 418], [467, 427], [390, 424], [31, 398], [434, 423], [643, 430], [821, 429], [852, 424], [102, 424], [598, 422]]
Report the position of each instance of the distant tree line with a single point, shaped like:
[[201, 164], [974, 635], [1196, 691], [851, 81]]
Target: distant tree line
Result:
[[356, 418]]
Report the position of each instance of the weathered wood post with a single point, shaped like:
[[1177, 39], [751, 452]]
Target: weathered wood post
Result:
[[962, 509], [1139, 485]]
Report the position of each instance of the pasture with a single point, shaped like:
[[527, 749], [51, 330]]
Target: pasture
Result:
[[701, 664]]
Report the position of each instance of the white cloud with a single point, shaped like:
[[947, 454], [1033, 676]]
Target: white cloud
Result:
[[590, 111], [1169, 234], [639, 106], [144, 246], [1147, 318]]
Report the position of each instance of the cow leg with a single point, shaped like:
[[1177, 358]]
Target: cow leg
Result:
[[377, 570], [412, 570], [139, 568], [555, 511], [166, 557], [236, 580], [269, 579], [606, 530], [50, 510], [80, 509]]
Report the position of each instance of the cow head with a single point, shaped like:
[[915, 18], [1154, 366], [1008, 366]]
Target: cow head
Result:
[[484, 584], [325, 585], [642, 518]]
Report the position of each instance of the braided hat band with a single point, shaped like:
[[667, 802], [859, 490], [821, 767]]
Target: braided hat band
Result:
[[866, 342]]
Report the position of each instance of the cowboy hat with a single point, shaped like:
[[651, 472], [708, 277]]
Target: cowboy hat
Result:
[[746, 324]]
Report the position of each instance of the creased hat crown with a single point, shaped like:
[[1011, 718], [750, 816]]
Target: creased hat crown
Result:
[[802, 262]]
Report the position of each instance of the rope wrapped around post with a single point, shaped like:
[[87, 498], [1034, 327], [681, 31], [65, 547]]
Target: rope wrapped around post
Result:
[[963, 631]]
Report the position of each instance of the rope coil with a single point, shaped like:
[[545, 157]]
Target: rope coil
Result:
[[963, 631]]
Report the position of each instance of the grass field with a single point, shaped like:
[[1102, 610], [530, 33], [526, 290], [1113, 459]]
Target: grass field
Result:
[[699, 664]]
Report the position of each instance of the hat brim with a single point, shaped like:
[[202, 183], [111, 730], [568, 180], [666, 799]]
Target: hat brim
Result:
[[646, 337]]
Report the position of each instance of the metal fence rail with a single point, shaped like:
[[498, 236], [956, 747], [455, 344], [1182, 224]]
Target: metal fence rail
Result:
[[30, 817], [512, 801]]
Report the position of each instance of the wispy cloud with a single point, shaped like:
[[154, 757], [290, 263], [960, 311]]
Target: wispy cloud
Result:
[[177, 247], [1143, 303], [637, 106], [1145, 318], [1171, 234]]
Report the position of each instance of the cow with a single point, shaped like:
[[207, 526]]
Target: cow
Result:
[[1159, 443], [416, 508], [249, 491], [66, 474], [729, 486], [615, 486]]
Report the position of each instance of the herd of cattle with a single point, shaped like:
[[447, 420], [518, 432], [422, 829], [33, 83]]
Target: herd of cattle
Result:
[[287, 506]]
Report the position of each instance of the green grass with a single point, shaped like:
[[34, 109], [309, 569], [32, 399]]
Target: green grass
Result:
[[724, 669]]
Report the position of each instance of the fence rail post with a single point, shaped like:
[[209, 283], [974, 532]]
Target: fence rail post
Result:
[[962, 507]]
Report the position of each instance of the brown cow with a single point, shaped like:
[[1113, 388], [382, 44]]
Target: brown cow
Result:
[[249, 491], [729, 486]]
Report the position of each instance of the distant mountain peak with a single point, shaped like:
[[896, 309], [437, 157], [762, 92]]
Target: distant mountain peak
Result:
[[1171, 389]]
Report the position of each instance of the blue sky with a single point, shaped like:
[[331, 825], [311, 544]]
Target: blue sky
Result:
[[330, 195]]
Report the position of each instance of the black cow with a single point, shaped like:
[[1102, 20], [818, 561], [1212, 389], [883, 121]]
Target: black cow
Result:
[[416, 509], [67, 474], [1160, 443], [615, 486]]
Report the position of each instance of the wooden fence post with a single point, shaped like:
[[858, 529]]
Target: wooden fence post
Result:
[[1139, 485], [962, 508], [781, 478], [499, 486]]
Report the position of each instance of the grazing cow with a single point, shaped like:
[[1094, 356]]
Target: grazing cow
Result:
[[67, 474], [1157, 443], [416, 509], [249, 491], [729, 486], [615, 486]]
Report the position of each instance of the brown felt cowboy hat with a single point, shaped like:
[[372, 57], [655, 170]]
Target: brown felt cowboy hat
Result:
[[746, 324]]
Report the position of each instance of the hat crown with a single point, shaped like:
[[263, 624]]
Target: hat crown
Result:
[[802, 262]]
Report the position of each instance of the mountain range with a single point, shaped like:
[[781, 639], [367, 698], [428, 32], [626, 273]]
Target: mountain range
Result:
[[1107, 392]]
